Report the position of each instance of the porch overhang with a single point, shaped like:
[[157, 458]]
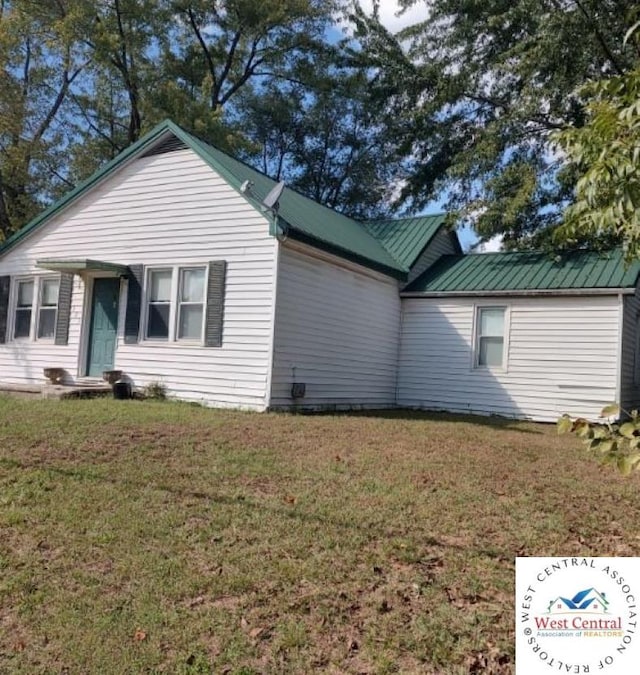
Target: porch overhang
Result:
[[84, 265]]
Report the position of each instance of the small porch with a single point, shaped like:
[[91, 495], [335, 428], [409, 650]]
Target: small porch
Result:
[[56, 391]]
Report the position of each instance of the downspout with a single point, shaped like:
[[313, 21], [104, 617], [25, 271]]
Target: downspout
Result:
[[272, 338], [619, 353], [399, 348]]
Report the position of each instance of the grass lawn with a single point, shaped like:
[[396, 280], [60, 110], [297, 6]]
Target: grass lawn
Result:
[[166, 538]]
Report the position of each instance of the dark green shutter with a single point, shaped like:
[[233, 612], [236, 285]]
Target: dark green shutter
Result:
[[64, 309], [215, 303], [134, 304], [5, 285]]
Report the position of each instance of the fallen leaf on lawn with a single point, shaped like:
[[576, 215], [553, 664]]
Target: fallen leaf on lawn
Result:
[[256, 632], [194, 602], [290, 499], [139, 635], [244, 623], [19, 646]]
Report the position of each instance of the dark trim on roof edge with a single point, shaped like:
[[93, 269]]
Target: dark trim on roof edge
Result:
[[83, 187], [305, 238], [514, 293], [457, 246], [167, 126]]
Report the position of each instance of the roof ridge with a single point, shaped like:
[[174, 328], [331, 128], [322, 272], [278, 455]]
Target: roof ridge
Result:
[[393, 219], [359, 224]]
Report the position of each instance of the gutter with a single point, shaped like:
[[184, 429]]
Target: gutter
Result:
[[516, 293]]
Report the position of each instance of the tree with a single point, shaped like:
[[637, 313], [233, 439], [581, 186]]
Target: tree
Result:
[[475, 92], [605, 155], [325, 140], [40, 60]]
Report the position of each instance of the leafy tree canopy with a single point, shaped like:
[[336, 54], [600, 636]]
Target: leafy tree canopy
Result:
[[605, 155], [475, 92]]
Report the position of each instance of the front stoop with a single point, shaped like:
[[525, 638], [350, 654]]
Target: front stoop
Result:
[[56, 391]]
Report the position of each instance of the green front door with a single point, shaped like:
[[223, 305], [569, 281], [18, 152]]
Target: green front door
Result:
[[103, 326]]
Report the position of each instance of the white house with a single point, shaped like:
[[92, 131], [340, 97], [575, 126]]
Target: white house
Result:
[[165, 265]]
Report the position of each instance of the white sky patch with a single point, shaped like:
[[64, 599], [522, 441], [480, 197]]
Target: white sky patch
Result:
[[492, 245], [389, 14]]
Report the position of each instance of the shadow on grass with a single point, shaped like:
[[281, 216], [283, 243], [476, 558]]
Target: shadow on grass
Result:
[[494, 421], [240, 501]]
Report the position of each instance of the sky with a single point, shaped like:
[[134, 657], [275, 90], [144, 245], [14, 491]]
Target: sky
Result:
[[389, 10], [394, 21]]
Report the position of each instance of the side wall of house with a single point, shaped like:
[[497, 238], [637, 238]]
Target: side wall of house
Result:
[[562, 357], [443, 243], [337, 331], [167, 209], [630, 371]]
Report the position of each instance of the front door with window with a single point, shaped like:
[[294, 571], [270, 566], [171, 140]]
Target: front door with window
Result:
[[103, 326]]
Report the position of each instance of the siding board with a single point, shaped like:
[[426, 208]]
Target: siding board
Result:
[[559, 359], [630, 369], [163, 209], [336, 330]]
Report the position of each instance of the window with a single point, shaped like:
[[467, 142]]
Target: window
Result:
[[490, 336], [24, 305], [191, 303], [176, 304], [159, 304], [48, 308]]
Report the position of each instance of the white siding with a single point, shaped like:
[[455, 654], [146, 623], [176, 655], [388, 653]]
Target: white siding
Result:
[[442, 244], [337, 330], [630, 372], [164, 209], [562, 357]]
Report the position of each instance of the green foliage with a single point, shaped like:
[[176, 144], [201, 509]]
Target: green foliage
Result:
[[324, 138], [155, 391], [616, 443], [605, 155], [475, 92], [80, 81]]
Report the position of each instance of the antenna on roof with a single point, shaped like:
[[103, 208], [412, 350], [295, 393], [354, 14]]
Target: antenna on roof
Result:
[[246, 186], [272, 203]]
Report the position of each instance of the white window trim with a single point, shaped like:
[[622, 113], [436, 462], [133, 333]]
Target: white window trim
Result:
[[475, 337], [146, 298], [174, 302], [14, 307], [181, 271], [38, 303]]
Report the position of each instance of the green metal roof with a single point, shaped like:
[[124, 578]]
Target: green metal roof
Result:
[[526, 271], [406, 238], [307, 220], [82, 265]]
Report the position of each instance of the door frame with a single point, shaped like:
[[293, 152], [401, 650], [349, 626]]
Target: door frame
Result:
[[85, 329]]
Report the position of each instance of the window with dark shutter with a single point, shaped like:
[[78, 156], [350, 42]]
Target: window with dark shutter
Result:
[[5, 285], [134, 304], [215, 303], [64, 309]]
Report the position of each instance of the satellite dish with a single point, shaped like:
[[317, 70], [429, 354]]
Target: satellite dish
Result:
[[271, 200], [246, 186]]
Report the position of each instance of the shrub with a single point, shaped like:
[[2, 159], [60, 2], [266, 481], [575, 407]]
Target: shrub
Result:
[[613, 442]]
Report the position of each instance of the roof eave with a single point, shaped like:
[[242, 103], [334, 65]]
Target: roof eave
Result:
[[305, 238], [523, 292], [82, 188]]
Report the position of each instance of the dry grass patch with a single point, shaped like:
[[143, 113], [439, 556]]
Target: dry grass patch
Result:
[[163, 538]]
